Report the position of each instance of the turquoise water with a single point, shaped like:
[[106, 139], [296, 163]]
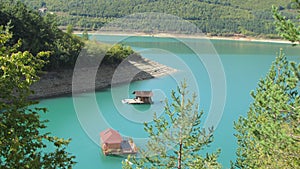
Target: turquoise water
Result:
[[244, 63]]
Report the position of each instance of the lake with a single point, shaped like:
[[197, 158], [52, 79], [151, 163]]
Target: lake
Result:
[[222, 77]]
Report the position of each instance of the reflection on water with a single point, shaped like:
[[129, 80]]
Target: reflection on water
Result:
[[142, 107]]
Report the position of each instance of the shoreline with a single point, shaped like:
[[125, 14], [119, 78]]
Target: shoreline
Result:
[[62, 83], [199, 36], [59, 83]]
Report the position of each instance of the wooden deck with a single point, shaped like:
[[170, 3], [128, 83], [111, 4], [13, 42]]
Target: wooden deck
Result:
[[132, 101]]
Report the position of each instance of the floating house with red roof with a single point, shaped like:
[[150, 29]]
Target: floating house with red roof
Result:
[[113, 143]]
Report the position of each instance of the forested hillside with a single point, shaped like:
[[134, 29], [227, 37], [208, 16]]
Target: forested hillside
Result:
[[38, 33], [217, 17]]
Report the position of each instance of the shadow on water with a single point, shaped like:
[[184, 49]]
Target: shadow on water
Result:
[[142, 107]]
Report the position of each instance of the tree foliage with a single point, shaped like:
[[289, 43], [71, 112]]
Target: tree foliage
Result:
[[95, 52], [269, 137], [288, 29], [40, 34], [85, 35], [117, 53], [23, 140], [217, 17], [177, 139]]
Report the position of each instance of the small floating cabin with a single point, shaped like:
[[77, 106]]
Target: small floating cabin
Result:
[[141, 97], [144, 96], [113, 144]]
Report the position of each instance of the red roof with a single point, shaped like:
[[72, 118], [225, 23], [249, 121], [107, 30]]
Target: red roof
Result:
[[110, 136]]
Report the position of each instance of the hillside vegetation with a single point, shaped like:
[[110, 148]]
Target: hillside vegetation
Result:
[[38, 33], [217, 17]]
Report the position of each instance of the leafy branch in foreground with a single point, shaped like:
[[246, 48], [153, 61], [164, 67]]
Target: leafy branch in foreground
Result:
[[23, 142], [176, 138], [269, 137], [287, 29]]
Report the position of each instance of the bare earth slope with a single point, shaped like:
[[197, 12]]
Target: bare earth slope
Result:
[[53, 84]]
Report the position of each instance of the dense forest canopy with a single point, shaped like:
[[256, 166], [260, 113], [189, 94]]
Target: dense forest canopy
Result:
[[217, 17], [41, 33]]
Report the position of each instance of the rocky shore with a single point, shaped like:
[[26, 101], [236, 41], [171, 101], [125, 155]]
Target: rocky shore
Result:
[[62, 82]]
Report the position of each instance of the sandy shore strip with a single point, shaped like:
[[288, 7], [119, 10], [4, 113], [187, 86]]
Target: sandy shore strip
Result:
[[59, 83], [188, 36]]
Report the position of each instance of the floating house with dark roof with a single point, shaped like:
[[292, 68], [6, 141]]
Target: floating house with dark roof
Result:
[[113, 143], [141, 97], [144, 96]]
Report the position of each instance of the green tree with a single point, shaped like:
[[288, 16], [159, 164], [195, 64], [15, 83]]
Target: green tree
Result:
[[40, 34], [269, 137], [23, 140], [85, 35], [218, 17], [117, 53], [69, 29], [177, 139], [287, 29]]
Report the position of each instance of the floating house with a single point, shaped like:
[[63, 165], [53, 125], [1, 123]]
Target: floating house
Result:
[[141, 97], [113, 143], [144, 96]]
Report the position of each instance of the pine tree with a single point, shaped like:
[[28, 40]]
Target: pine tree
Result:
[[286, 27], [269, 137], [176, 139]]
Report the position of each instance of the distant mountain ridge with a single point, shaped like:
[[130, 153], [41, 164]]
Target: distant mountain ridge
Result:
[[214, 17]]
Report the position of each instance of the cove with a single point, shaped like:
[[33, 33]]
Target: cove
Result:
[[244, 63]]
